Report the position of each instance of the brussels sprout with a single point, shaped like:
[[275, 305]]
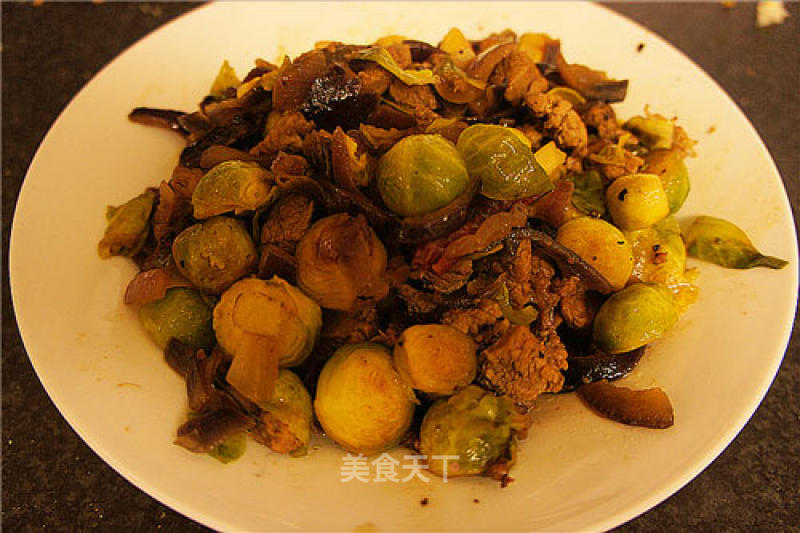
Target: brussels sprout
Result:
[[601, 245], [215, 253], [660, 257], [230, 449], [669, 166], [127, 226], [435, 359], [237, 186], [287, 417], [420, 174], [718, 241], [383, 58], [504, 162], [654, 131], [341, 263], [362, 402], [589, 195], [633, 317], [637, 201], [226, 77], [457, 47], [183, 314], [472, 429], [273, 310]]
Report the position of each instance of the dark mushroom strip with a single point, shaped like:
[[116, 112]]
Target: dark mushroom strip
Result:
[[420, 50], [178, 356], [567, 260], [649, 408], [335, 99], [163, 118], [203, 433], [591, 83], [599, 365], [200, 376]]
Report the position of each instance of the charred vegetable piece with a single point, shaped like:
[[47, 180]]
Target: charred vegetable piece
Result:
[[589, 195], [654, 131], [601, 245], [668, 165], [638, 314], [503, 161], [721, 242], [182, 314], [264, 324], [287, 417], [341, 263], [637, 201], [383, 58], [649, 408], [335, 100], [215, 253], [237, 186], [361, 401], [467, 432], [420, 174], [128, 226], [436, 359]]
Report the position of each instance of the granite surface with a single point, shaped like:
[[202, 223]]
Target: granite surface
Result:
[[52, 480]]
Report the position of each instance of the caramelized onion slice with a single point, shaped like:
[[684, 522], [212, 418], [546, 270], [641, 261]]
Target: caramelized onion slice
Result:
[[648, 408]]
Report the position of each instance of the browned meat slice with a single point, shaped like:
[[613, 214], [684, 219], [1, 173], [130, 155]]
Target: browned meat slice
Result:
[[289, 165], [484, 323], [413, 95], [576, 308], [521, 77], [505, 36], [561, 121], [417, 301], [375, 80], [351, 328], [276, 260], [542, 273], [603, 119], [286, 134], [184, 180], [274, 434], [288, 221], [517, 277], [523, 366]]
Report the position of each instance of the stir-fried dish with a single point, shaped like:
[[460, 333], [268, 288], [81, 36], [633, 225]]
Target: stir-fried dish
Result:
[[408, 244]]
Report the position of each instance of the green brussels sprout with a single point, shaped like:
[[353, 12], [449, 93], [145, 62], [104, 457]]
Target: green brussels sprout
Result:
[[637, 201], [183, 314], [472, 429], [230, 449], [653, 131], [362, 402], [287, 416], [503, 161], [215, 253], [589, 194], [633, 317], [420, 174], [601, 245], [659, 256], [237, 186], [669, 166], [718, 241], [127, 226], [435, 358], [264, 324]]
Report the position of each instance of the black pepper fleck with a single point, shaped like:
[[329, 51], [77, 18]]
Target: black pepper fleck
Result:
[[656, 247], [424, 501], [640, 47], [476, 500], [622, 194]]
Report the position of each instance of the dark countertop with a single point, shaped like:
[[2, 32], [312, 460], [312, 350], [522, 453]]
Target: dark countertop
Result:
[[52, 480]]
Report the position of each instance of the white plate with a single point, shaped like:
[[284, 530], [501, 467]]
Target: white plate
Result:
[[576, 470]]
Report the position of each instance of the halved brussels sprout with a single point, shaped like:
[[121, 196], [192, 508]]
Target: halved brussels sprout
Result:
[[341, 263], [654, 131], [668, 165], [420, 174], [601, 245], [435, 358], [182, 314], [237, 186], [468, 432], [362, 402], [215, 253], [637, 201], [503, 160], [721, 242], [589, 196], [660, 257], [287, 416], [127, 226], [636, 315]]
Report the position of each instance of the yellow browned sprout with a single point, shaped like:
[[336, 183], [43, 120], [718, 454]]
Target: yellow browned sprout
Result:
[[601, 245]]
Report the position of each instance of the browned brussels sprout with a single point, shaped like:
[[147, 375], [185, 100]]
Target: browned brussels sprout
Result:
[[718, 241], [286, 421], [237, 186], [127, 226], [182, 314]]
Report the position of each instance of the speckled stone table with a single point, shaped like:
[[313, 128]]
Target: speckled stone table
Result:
[[52, 480]]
